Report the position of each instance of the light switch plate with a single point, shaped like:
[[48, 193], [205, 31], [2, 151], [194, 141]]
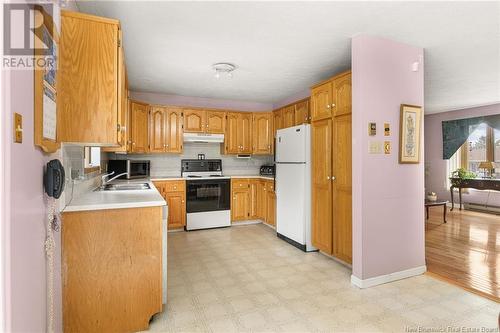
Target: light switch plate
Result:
[[18, 128], [375, 147]]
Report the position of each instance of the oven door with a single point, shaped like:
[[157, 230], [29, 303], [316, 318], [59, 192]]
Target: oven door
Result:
[[207, 195]]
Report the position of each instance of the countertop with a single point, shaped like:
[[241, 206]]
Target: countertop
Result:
[[99, 200], [160, 178]]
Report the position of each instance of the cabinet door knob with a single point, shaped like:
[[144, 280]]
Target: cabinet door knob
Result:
[[333, 177], [328, 106], [333, 105]]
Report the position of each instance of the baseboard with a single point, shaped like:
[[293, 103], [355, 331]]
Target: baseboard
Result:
[[337, 260], [269, 226], [247, 222], [375, 281]]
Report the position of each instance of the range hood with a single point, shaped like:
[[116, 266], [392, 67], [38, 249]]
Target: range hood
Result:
[[203, 137]]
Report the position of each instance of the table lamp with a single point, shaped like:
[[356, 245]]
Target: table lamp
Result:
[[487, 166]]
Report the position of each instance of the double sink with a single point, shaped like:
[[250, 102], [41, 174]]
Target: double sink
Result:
[[124, 187]]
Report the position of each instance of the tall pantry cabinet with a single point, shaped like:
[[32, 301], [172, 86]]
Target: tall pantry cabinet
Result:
[[331, 127]]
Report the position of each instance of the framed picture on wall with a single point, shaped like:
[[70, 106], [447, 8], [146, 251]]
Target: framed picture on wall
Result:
[[410, 128]]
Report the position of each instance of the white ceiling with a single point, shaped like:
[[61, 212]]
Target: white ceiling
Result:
[[282, 48]]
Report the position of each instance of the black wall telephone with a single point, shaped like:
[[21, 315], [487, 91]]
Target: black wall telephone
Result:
[[53, 180]]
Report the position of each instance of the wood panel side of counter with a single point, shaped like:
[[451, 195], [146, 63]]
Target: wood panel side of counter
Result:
[[111, 269]]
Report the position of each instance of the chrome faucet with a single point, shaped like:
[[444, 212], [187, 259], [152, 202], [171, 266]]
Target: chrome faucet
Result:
[[104, 181]]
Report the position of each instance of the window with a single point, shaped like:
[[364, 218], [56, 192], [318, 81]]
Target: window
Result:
[[496, 149], [477, 148], [92, 157], [482, 145]]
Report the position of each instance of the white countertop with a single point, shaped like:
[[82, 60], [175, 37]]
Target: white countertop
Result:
[[98, 200], [160, 178]]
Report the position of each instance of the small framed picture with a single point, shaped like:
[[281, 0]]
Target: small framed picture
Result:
[[410, 127]]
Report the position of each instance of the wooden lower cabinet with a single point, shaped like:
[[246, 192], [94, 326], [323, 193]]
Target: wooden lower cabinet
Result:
[[174, 193], [111, 269], [240, 199], [270, 209], [253, 199]]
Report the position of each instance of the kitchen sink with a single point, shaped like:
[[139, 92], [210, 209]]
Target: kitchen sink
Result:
[[125, 187]]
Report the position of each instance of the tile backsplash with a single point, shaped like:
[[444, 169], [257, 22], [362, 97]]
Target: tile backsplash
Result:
[[77, 182], [170, 164]]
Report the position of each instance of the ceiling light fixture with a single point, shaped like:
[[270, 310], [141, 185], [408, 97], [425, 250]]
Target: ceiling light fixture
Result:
[[223, 68]]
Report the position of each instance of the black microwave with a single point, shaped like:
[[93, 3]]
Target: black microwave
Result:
[[133, 168]]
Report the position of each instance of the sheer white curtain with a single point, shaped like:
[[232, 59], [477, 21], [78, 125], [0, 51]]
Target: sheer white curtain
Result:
[[454, 163]]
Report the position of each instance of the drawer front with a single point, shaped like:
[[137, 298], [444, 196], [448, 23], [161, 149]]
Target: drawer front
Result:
[[239, 183], [175, 186]]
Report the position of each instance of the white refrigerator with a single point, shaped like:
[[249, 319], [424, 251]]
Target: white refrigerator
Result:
[[293, 186]]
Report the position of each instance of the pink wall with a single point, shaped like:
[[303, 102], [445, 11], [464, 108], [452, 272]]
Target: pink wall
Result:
[[178, 100], [435, 179], [388, 197], [24, 212]]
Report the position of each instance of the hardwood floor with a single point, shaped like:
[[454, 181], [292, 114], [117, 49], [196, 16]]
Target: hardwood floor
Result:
[[465, 250]]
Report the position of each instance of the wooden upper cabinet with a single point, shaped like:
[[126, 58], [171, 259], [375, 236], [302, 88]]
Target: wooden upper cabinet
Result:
[[174, 130], [302, 115], [139, 120], [88, 79], [157, 130], [123, 109], [321, 101], [342, 95], [262, 133], [194, 120], [245, 129], [216, 121], [238, 134], [289, 116], [277, 119], [321, 162], [231, 142]]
